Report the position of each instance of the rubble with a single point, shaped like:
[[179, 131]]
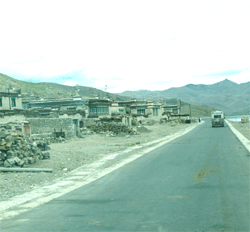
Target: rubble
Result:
[[148, 122], [17, 150], [244, 119], [112, 128]]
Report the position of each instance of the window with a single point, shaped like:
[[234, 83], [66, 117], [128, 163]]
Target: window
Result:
[[71, 108], [175, 111], [155, 112], [141, 111], [1, 102], [13, 102], [99, 110], [217, 116]]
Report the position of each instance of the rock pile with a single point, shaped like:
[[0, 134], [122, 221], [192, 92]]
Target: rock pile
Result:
[[148, 122], [16, 150], [114, 128], [244, 119], [41, 142]]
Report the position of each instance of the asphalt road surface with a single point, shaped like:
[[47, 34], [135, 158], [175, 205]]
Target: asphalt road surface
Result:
[[197, 182]]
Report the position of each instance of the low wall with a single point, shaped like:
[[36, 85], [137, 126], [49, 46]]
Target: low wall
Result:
[[49, 125]]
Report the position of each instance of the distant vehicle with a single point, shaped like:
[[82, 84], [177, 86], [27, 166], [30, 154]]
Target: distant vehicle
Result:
[[217, 118]]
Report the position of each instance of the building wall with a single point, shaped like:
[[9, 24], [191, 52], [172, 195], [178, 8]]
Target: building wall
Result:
[[156, 114], [98, 111], [12, 118], [117, 110], [127, 121], [47, 125], [7, 103]]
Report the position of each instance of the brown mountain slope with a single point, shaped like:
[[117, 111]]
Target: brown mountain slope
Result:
[[226, 95], [47, 89]]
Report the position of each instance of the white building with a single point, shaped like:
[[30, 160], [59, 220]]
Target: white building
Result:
[[10, 100]]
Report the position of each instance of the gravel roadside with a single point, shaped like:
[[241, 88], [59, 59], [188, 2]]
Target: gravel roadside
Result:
[[74, 153], [243, 128]]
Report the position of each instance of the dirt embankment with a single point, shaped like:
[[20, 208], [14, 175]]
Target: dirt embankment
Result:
[[67, 156], [243, 128]]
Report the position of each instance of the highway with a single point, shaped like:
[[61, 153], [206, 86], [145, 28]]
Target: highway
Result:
[[197, 182]]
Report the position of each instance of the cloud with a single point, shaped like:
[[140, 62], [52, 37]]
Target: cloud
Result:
[[125, 45], [224, 74]]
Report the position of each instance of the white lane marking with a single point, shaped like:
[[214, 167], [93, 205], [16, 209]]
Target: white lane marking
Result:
[[91, 172], [242, 138]]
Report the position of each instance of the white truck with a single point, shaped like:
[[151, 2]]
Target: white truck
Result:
[[217, 118]]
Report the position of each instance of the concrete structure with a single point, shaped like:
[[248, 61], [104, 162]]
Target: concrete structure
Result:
[[10, 100]]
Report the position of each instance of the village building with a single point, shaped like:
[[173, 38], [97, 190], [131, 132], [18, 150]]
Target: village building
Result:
[[54, 104], [116, 109], [171, 109], [97, 108], [147, 109], [10, 100]]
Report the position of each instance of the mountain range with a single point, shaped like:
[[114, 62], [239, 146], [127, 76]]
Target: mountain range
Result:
[[226, 95]]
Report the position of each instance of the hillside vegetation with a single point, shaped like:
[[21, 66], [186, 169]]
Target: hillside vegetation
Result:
[[34, 89], [52, 90]]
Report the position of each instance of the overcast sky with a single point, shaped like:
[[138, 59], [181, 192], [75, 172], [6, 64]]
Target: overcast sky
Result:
[[126, 45]]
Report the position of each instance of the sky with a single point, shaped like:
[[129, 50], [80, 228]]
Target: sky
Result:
[[125, 45]]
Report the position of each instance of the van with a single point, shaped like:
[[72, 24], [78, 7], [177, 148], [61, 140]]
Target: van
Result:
[[217, 118]]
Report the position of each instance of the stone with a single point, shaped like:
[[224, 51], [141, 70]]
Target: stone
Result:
[[21, 163], [2, 142], [15, 149], [7, 164], [8, 145], [10, 153], [45, 154], [8, 127], [3, 134], [31, 160], [11, 161], [36, 159], [9, 139], [25, 160], [3, 148], [16, 159]]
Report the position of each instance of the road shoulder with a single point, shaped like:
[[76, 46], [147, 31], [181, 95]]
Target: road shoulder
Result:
[[242, 138]]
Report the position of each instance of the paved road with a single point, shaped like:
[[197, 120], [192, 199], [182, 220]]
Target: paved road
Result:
[[198, 182]]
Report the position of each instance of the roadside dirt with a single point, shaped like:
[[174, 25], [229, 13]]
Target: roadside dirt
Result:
[[243, 128], [74, 153]]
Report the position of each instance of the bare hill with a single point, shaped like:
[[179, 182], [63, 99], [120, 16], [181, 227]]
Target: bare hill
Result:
[[226, 95], [47, 89]]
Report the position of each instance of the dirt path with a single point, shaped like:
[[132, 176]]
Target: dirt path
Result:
[[74, 153]]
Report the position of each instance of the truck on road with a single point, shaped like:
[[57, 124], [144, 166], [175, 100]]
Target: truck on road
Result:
[[217, 118]]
